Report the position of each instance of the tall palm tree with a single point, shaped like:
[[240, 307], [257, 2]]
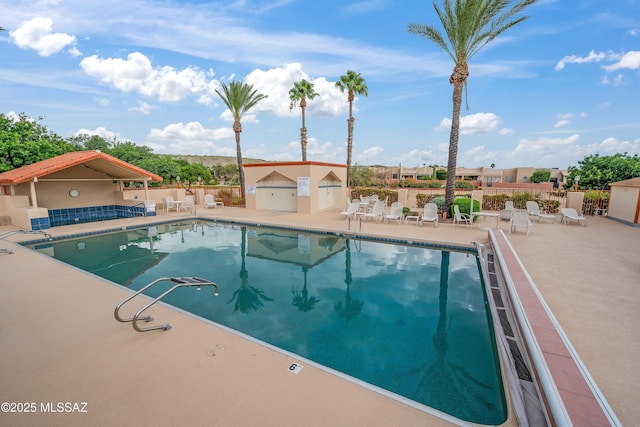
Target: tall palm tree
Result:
[[469, 26], [355, 85], [299, 93], [239, 98]]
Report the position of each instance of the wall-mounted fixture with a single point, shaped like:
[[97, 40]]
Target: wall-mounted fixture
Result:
[[74, 193]]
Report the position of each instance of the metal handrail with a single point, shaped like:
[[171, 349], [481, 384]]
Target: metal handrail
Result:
[[180, 282], [12, 232], [358, 219], [144, 211]]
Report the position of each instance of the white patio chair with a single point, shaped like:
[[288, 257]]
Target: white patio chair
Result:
[[351, 210], [570, 214], [189, 203], [430, 214], [210, 202], [505, 213], [376, 212], [169, 204], [520, 218], [395, 213], [534, 210], [460, 217]]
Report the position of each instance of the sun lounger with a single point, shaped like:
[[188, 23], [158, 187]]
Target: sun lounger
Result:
[[570, 214]]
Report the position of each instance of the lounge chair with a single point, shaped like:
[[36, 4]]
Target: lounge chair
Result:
[[570, 214], [376, 212], [520, 218], [460, 217], [534, 210], [505, 213], [430, 214], [210, 202], [169, 204], [351, 210], [395, 213]]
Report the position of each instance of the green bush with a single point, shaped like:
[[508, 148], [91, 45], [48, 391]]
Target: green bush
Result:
[[464, 184], [441, 174], [464, 204], [439, 201]]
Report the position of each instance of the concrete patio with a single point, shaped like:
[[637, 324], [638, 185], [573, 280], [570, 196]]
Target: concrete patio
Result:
[[59, 341]]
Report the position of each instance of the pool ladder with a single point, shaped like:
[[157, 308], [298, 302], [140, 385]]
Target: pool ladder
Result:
[[180, 282]]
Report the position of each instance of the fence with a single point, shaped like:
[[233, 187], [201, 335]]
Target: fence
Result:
[[550, 200]]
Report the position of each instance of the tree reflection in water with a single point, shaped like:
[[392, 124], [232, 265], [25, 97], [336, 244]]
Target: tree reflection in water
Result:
[[352, 307], [302, 299], [247, 298]]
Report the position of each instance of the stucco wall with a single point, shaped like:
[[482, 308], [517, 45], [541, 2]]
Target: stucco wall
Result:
[[274, 186], [623, 204]]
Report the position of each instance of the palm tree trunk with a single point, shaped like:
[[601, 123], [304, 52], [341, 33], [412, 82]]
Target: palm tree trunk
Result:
[[237, 127], [303, 135], [349, 147], [350, 136], [459, 76]]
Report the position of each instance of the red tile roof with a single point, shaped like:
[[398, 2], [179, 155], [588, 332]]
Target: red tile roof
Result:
[[109, 165]]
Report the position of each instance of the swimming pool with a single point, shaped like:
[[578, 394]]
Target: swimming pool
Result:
[[410, 320]]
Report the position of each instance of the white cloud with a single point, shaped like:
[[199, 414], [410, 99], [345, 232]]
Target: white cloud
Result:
[[189, 138], [136, 74], [276, 83], [474, 124], [591, 57], [36, 34], [143, 107], [15, 117], [100, 131], [370, 156], [544, 145], [561, 123], [506, 131], [617, 80], [192, 131], [610, 146], [630, 60], [102, 101], [246, 118]]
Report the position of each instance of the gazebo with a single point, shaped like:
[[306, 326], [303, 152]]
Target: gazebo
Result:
[[80, 186]]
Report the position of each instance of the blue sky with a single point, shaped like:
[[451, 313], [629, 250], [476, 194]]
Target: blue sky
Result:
[[560, 86]]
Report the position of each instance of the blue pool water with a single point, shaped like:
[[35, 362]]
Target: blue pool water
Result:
[[411, 320]]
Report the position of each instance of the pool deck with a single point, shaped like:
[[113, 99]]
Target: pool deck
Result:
[[59, 341]]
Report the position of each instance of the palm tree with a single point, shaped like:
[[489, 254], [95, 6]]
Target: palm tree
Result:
[[299, 93], [469, 26], [239, 98], [355, 85]]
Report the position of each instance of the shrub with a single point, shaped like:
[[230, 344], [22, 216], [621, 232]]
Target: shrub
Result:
[[464, 204], [464, 184], [439, 201]]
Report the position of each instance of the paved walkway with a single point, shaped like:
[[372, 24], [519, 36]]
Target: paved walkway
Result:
[[60, 343]]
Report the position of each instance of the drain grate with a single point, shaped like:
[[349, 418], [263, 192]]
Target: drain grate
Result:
[[504, 321], [521, 367]]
